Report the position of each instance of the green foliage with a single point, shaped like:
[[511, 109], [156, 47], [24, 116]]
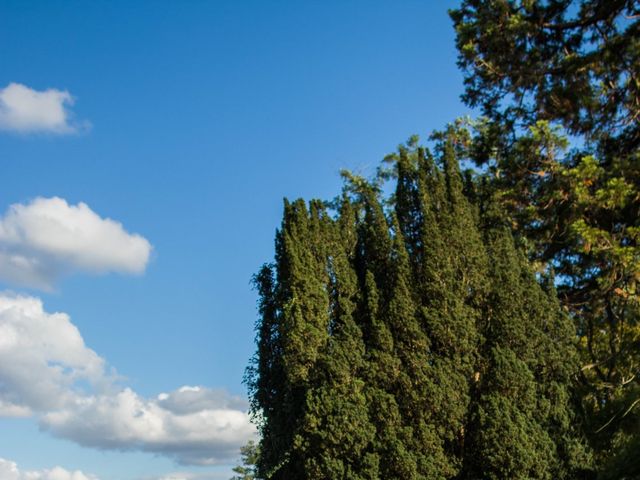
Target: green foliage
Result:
[[575, 63], [249, 454], [407, 338], [412, 337], [547, 76], [523, 382], [336, 429]]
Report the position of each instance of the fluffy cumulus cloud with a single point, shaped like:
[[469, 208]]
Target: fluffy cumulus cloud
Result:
[[203, 433], [42, 358], [10, 471], [47, 370], [25, 110], [47, 238]]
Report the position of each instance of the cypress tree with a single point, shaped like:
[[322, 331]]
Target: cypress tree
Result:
[[294, 327], [415, 381], [524, 378], [392, 441], [337, 431], [450, 286], [390, 347], [418, 232], [265, 375]]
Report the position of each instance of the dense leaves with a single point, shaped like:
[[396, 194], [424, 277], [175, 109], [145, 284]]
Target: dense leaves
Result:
[[484, 325], [250, 454], [575, 62], [407, 338], [559, 84]]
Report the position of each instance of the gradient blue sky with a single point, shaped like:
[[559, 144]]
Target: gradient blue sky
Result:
[[204, 115]]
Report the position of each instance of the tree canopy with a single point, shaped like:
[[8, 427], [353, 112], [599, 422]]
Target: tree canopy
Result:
[[407, 337], [477, 324], [559, 82]]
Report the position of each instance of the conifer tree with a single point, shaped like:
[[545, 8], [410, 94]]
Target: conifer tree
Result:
[[293, 330], [265, 375], [549, 75], [454, 288], [449, 270], [416, 379], [523, 379], [337, 432], [392, 442], [410, 342]]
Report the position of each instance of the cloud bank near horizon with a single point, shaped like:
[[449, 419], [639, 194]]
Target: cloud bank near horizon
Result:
[[25, 110], [47, 371], [9, 471], [47, 239], [208, 433], [190, 476]]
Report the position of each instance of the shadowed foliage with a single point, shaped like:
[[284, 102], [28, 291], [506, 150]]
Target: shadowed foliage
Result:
[[407, 338]]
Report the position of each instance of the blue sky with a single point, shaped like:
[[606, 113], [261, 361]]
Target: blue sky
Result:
[[186, 123]]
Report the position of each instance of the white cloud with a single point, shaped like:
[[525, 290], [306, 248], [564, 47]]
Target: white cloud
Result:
[[209, 434], [10, 471], [187, 400], [47, 370], [43, 358], [48, 238], [191, 476], [25, 110]]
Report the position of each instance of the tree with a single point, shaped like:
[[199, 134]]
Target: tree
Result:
[[559, 82], [336, 431], [249, 455], [383, 323], [574, 63], [294, 307], [385, 372], [523, 380], [449, 273]]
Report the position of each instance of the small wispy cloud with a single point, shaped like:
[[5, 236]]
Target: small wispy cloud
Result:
[[9, 471], [47, 239], [25, 110]]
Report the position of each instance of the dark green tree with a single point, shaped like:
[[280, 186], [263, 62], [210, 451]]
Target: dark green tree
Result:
[[453, 291], [399, 340], [523, 379], [559, 82], [392, 443], [336, 432], [292, 332], [449, 268], [249, 455]]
